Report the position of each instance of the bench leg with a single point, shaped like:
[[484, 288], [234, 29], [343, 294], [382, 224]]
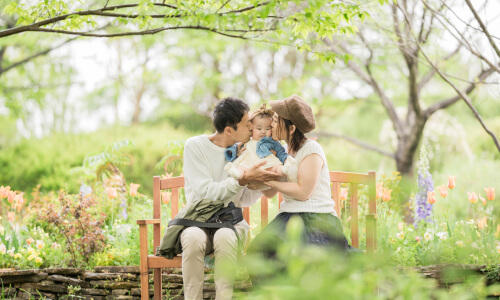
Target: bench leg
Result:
[[143, 239], [157, 284]]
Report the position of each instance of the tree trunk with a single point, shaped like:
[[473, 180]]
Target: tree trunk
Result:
[[407, 146]]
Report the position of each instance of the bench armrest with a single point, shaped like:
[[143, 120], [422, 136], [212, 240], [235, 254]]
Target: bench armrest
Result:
[[148, 221]]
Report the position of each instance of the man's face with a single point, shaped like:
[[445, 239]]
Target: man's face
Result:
[[242, 132]]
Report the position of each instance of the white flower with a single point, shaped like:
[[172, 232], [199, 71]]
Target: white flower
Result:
[[474, 245], [400, 235], [443, 235], [428, 236], [401, 226], [3, 249], [11, 252]]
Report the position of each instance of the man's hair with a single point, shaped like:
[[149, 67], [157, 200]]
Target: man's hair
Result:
[[229, 112]]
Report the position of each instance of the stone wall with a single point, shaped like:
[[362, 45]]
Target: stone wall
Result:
[[124, 283], [101, 283]]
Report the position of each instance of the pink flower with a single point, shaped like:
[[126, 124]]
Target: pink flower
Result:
[[386, 195], [133, 189], [472, 197], [431, 197], [111, 192], [19, 201], [30, 241], [482, 200], [10, 196], [4, 191], [490, 193], [482, 223], [11, 216], [443, 191], [451, 182], [379, 190], [343, 194]]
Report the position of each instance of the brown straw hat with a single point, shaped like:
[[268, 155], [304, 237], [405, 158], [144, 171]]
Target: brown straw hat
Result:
[[296, 110]]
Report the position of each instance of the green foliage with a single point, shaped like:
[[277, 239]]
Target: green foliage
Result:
[[57, 161], [309, 272]]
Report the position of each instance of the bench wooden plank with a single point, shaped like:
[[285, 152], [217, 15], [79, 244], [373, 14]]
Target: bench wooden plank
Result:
[[349, 177], [158, 262], [173, 182]]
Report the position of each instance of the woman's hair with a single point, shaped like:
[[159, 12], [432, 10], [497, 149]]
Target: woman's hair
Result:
[[297, 139], [262, 112]]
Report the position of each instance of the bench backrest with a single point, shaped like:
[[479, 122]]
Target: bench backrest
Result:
[[174, 184]]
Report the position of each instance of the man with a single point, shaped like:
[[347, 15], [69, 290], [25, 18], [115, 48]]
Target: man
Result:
[[205, 179]]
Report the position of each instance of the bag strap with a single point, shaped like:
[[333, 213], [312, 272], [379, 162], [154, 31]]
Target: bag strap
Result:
[[189, 223]]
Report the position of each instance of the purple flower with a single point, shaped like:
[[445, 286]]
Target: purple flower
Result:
[[423, 208]]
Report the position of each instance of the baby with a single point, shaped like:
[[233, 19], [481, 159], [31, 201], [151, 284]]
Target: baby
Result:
[[260, 148]]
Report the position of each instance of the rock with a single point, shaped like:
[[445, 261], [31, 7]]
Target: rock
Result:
[[208, 287], [55, 288], [13, 272], [175, 278], [97, 292], [68, 280], [32, 277], [110, 276], [63, 271], [119, 292], [108, 284], [117, 269]]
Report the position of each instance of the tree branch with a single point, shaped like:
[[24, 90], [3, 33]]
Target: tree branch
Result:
[[370, 80], [460, 94], [446, 103], [31, 57], [483, 27], [103, 12], [428, 76], [148, 32], [358, 143]]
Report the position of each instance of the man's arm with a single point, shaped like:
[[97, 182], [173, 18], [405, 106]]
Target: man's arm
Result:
[[198, 179]]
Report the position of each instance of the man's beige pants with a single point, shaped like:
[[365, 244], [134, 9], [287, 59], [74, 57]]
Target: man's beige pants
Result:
[[195, 244]]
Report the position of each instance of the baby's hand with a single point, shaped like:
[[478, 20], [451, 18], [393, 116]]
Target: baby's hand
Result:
[[241, 148]]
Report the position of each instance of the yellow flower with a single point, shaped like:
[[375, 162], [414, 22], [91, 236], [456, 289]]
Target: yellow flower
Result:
[[400, 235], [459, 243], [38, 260], [427, 236], [17, 255], [30, 241], [32, 257]]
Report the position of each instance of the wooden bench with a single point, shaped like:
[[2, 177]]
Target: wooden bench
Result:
[[150, 261]]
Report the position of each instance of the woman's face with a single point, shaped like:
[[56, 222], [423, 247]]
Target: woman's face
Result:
[[278, 128]]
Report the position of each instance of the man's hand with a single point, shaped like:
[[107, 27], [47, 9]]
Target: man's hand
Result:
[[256, 173]]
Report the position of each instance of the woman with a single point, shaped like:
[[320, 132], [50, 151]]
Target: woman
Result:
[[309, 196]]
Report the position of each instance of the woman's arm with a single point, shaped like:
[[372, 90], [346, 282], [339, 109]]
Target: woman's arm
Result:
[[307, 177]]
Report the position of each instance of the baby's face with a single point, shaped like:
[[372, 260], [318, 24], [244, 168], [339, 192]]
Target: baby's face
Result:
[[261, 127]]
